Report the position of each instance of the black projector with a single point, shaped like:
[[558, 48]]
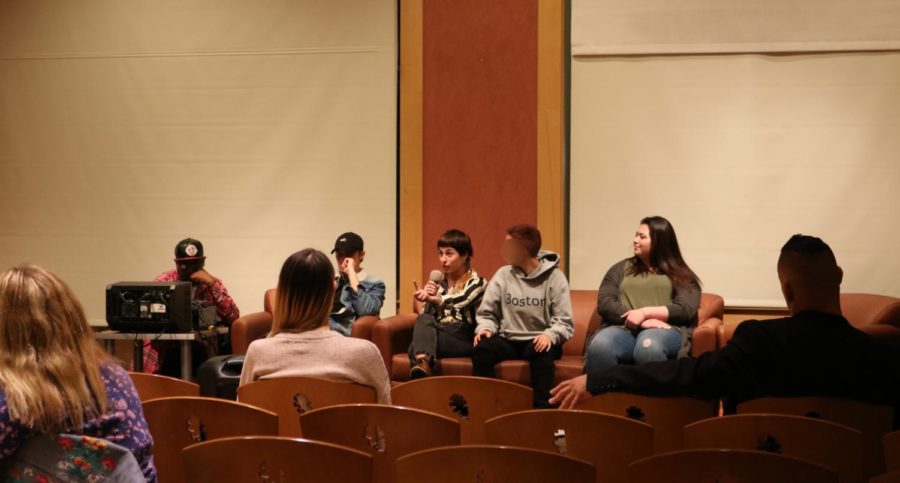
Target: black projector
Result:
[[150, 307]]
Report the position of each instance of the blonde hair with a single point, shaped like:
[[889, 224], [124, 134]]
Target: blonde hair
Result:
[[305, 292], [49, 360]]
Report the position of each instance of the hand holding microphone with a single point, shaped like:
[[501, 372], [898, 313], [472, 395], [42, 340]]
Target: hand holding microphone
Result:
[[434, 282], [429, 292]]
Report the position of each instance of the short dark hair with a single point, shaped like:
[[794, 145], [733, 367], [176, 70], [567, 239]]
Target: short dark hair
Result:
[[807, 245], [457, 240], [527, 235], [810, 264]]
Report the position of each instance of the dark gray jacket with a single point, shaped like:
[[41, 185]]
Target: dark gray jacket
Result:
[[682, 310]]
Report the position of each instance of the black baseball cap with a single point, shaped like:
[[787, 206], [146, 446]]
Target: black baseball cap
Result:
[[189, 249], [348, 243]]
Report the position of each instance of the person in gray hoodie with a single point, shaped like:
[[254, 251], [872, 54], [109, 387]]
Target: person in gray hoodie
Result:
[[526, 312]]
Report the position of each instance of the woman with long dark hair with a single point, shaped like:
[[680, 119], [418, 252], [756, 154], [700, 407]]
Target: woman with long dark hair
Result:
[[648, 302]]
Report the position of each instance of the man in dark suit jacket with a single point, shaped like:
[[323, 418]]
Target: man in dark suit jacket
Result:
[[814, 352]]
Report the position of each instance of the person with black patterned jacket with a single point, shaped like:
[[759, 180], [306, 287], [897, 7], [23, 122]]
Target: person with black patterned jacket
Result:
[[446, 326]]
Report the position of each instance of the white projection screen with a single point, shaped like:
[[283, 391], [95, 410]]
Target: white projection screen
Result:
[[738, 151], [260, 128]]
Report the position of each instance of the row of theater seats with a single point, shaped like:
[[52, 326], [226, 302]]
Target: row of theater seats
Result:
[[465, 428], [874, 314]]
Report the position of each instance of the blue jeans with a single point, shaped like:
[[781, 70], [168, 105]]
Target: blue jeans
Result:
[[616, 345]]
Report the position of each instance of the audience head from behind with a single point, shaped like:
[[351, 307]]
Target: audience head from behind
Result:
[[302, 343], [810, 276], [306, 287], [49, 361], [656, 250]]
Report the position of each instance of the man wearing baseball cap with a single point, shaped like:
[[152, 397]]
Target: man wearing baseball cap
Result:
[[358, 293], [190, 263]]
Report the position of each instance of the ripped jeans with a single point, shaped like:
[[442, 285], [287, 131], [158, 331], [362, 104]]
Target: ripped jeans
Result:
[[616, 345]]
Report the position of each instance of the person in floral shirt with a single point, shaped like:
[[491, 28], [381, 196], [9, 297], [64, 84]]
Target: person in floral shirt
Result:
[[54, 377], [189, 267]]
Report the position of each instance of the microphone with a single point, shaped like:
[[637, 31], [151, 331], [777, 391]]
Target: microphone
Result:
[[436, 276]]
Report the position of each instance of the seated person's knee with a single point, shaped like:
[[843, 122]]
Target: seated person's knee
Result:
[[602, 343], [649, 349]]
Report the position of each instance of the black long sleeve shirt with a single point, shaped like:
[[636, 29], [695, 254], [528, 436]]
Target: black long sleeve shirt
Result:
[[809, 354]]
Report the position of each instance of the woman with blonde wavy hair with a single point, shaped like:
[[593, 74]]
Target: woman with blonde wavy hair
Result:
[[301, 343], [54, 377]]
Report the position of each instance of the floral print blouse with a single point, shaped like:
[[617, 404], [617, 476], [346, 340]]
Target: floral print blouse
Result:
[[123, 423]]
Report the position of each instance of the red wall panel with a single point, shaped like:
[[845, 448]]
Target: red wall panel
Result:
[[480, 123]]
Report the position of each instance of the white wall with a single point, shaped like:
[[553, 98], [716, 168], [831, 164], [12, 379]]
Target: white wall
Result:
[[739, 151], [260, 128]]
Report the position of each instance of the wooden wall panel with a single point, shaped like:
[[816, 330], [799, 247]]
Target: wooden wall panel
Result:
[[482, 86]]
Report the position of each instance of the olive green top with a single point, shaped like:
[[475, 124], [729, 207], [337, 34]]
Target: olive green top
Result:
[[620, 292], [645, 290]]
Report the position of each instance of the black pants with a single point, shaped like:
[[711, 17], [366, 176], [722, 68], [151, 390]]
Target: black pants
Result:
[[435, 340], [495, 349]]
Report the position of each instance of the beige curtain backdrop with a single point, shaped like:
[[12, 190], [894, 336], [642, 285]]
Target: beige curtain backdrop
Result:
[[739, 152], [260, 128], [604, 27]]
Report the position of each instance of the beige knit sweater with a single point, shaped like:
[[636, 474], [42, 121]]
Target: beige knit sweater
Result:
[[318, 353]]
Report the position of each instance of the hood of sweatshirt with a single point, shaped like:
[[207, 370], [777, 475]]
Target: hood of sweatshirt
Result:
[[547, 261]]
